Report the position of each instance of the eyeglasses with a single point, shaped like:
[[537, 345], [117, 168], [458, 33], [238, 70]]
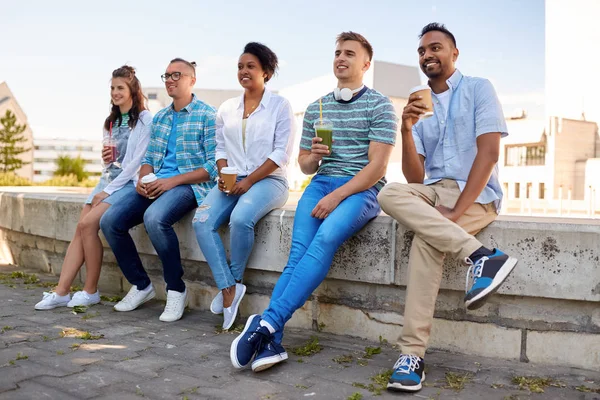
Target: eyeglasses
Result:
[[175, 76]]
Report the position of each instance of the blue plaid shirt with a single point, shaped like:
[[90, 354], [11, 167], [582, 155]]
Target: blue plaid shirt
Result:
[[195, 142]]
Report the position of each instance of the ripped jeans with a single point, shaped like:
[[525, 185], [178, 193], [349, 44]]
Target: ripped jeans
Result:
[[243, 213]]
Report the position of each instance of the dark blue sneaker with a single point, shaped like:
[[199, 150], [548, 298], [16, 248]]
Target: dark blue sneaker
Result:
[[245, 346], [409, 373], [489, 272], [269, 354]]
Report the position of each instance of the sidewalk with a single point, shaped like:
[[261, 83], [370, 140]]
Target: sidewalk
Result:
[[134, 355]]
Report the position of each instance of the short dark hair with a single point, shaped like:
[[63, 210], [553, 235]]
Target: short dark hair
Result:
[[191, 64], [266, 57], [436, 26], [344, 36]]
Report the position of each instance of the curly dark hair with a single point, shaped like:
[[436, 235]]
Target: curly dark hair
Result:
[[137, 96], [266, 57], [436, 26]]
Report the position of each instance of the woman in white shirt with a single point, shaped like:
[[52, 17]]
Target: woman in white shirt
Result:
[[255, 135], [128, 125]]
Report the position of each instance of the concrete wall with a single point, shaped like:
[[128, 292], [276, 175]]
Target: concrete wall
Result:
[[547, 311]]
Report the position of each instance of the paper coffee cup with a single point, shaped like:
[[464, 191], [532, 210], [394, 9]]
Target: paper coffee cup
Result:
[[425, 92], [147, 179], [229, 175]]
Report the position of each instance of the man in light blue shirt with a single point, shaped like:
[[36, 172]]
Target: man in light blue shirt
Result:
[[450, 163]]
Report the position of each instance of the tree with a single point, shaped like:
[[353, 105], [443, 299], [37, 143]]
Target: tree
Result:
[[66, 165], [11, 143]]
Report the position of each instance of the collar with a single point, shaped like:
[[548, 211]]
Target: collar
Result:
[[188, 107], [264, 102], [454, 80]]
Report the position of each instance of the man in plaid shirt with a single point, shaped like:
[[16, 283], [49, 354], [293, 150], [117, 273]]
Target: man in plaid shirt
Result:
[[181, 154]]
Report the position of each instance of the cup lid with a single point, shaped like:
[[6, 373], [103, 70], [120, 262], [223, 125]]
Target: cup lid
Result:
[[418, 88], [229, 170]]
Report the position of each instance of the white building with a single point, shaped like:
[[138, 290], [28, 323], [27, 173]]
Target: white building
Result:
[[47, 151], [159, 99], [392, 80]]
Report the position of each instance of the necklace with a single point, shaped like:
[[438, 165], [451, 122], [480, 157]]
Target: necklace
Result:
[[251, 109]]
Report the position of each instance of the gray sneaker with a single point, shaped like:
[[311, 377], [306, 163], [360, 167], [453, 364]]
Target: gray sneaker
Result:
[[230, 313], [216, 306]]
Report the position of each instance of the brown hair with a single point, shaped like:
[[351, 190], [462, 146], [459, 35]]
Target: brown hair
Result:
[[344, 36], [191, 64], [137, 96]]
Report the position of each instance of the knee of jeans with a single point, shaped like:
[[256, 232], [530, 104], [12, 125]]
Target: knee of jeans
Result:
[[201, 221], [238, 221], [152, 222], [106, 223]]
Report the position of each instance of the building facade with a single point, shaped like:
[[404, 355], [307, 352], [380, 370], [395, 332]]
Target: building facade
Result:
[[47, 151], [8, 102]]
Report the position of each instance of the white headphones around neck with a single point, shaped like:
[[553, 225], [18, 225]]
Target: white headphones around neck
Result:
[[345, 94]]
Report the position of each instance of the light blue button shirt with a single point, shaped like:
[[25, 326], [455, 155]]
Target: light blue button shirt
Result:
[[449, 144]]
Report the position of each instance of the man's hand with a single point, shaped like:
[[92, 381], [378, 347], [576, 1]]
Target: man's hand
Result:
[[158, 187], [412, 112], [98, 198], [141, 189], [448, 213], [241, 187], [326, 206], [318, 150]]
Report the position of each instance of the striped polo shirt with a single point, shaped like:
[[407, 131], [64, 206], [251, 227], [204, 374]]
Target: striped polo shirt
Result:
[[369, 116]]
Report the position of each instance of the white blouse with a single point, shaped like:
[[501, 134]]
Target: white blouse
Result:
[[269, 134]]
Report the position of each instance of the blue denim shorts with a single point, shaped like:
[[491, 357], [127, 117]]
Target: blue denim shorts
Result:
[[113, 198]]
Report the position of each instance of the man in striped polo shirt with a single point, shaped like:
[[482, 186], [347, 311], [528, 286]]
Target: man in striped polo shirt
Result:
[[339, 201]]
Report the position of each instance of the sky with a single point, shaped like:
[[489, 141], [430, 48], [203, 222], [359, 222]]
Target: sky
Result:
[[57, 56]]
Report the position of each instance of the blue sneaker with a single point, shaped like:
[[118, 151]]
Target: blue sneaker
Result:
[[489, 272], [268, 355], [409, 373], [245, 346]]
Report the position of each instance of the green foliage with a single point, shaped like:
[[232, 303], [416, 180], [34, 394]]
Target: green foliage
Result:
[[67, 165], [11, 143]]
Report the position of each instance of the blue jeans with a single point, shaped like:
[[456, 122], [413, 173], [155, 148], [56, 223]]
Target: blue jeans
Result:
[[243, 213], [158, 217], [314, 243]]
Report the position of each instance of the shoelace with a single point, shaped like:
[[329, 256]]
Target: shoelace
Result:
[[45, 295], [477, 268], [129, 296], [172, 303], [406, 364]]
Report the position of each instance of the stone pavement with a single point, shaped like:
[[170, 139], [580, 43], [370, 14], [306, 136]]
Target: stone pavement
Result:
[[134, 355]]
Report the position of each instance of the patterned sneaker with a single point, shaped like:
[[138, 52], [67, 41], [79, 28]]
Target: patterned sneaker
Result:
[[269, 354], [230, 312], [489, 272], [409, 373], [52, 300], [216, 305], [245, 346], [85, 299], [135, 298]]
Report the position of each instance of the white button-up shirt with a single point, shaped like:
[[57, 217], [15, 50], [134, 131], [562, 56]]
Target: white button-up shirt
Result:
[[269, 134]]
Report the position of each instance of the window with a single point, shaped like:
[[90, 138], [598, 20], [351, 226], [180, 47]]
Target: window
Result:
[[542, 191], [528, 190], [152, 96], [505, 184], [517, 190], [517, 156]]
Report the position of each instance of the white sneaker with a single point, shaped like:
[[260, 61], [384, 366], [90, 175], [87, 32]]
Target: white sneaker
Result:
[[176, 302], [230, 313], [135, 298], [216, 306], [83, 298], [52, 300]]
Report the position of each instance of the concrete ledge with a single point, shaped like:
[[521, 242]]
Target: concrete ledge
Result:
[[555, 288]]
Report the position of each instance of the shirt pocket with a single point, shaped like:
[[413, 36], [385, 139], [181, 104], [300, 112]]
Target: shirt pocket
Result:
[[464, 134]]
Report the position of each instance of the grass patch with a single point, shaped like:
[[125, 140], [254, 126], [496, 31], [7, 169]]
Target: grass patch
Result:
[[379, 382], [456, 381], [75, 346], [191, 390], [535, 384], [311, 347], [586, 389], [371, 351], [320, 327], [234, 329], [6, 329], [79, 309], [76, 288], [21, 356], [300, 360], [12, 362], [77, 334], [355, 396], [382, 341], [46, 284], [344, 359], [362, 363], [139, 392], [497, 386], [111, 299], [60, 352], [301, 386]]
